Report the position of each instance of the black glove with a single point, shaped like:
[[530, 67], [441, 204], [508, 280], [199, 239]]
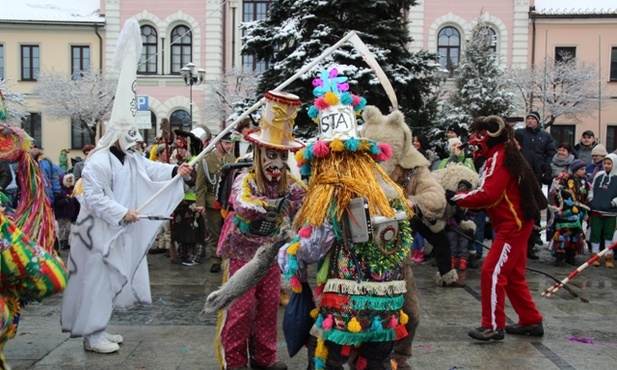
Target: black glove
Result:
[[449, 195]]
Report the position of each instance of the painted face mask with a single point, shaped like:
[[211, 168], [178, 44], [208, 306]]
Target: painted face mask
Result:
[[478, 143], [273, 163], [129, 140]]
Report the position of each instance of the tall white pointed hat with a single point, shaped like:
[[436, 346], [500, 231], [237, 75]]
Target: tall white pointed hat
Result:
[[122, 124]]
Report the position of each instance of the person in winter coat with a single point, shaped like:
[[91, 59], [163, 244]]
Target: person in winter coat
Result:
[[597, 158], [539, 141], [66, 208], [49, 170], [603, 203], [583, 149], [562, 159]]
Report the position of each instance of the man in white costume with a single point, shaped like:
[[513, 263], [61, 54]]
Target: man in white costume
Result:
[[107, 262]]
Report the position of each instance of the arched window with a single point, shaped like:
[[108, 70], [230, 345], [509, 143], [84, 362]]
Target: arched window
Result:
[[180, 119], [147, 62], [493, 37], [449, 48], [181, 48]]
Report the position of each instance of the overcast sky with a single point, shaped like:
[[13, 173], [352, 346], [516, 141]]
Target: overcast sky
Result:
[[576, 4]]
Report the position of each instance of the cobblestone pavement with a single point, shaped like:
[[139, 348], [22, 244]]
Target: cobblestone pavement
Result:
[[173, 334]]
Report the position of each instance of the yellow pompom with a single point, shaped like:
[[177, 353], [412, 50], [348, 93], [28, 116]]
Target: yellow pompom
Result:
[[314, 312], [337, 145], [574, 209], [293, 248], [354, 326], [364, 146], [331, 98], [403, 318], [321, 351], [299, 156]]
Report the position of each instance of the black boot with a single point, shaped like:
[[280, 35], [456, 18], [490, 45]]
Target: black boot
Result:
[[472, 262], [570, 257], [531, 254], [560, 259]]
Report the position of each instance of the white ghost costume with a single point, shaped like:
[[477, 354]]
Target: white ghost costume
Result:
[[107, 262]]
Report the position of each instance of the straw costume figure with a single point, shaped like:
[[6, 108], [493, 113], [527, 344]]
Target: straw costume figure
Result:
[[361, 280]]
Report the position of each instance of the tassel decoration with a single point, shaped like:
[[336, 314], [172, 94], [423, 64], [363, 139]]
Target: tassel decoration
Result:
[[354, 326], [376, 325], [403, 318], [314, 313], [321, 350], [393, 322], [328, 322], [319, 321], [305, 232], [293, 248], [321, 149], [295, 283]]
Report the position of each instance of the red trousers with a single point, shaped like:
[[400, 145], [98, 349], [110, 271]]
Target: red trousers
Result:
[[251, 321], [503, 274]]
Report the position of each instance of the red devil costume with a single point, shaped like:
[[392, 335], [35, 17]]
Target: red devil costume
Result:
[[505, 181]]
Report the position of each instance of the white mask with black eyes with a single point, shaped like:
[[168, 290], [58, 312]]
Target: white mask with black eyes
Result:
[[129, 139], [273, 163]]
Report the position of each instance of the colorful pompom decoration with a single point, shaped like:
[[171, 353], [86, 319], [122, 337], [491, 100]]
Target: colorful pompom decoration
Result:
[[314, 313], [354, 326], [337, 145], [376, 324], [403, 318], [393, 322], [295, 283], [305, 232], [328, 322], [321, 149]]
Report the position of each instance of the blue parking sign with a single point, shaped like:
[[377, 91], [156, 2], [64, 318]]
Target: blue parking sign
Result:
[[142, 102]]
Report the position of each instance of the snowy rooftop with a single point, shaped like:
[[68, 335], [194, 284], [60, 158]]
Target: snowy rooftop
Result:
[[576, 6], [86, 11]]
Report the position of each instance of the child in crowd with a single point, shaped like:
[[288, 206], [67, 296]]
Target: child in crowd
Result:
[[603, 204], [66, 209], [569, 193]]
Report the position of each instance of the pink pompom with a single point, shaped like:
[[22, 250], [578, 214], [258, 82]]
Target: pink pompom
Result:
[[305, 232], [356, 100], [295, 283], [386, 152], [361, 363], [321, 149], [393, 322], [320, 104], [328, 322]]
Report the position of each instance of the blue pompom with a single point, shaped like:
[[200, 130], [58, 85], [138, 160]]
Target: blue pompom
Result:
[[352, 144]]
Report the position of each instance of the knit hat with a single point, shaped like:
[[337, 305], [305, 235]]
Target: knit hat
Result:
[[576, 165], [454, 141], [454, 128], [534, 115], [599, 150]]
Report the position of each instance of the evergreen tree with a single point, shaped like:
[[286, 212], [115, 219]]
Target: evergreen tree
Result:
[[297, 31], [481, 84]]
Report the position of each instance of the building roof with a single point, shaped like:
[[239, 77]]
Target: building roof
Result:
[[51, 11], [571, 7]]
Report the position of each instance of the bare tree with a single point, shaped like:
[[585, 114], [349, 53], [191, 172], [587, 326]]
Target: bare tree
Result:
[[228, 95], [88, 98], [558, 88], [16, 105]]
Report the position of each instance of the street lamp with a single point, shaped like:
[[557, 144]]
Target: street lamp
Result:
[[191, 79]]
